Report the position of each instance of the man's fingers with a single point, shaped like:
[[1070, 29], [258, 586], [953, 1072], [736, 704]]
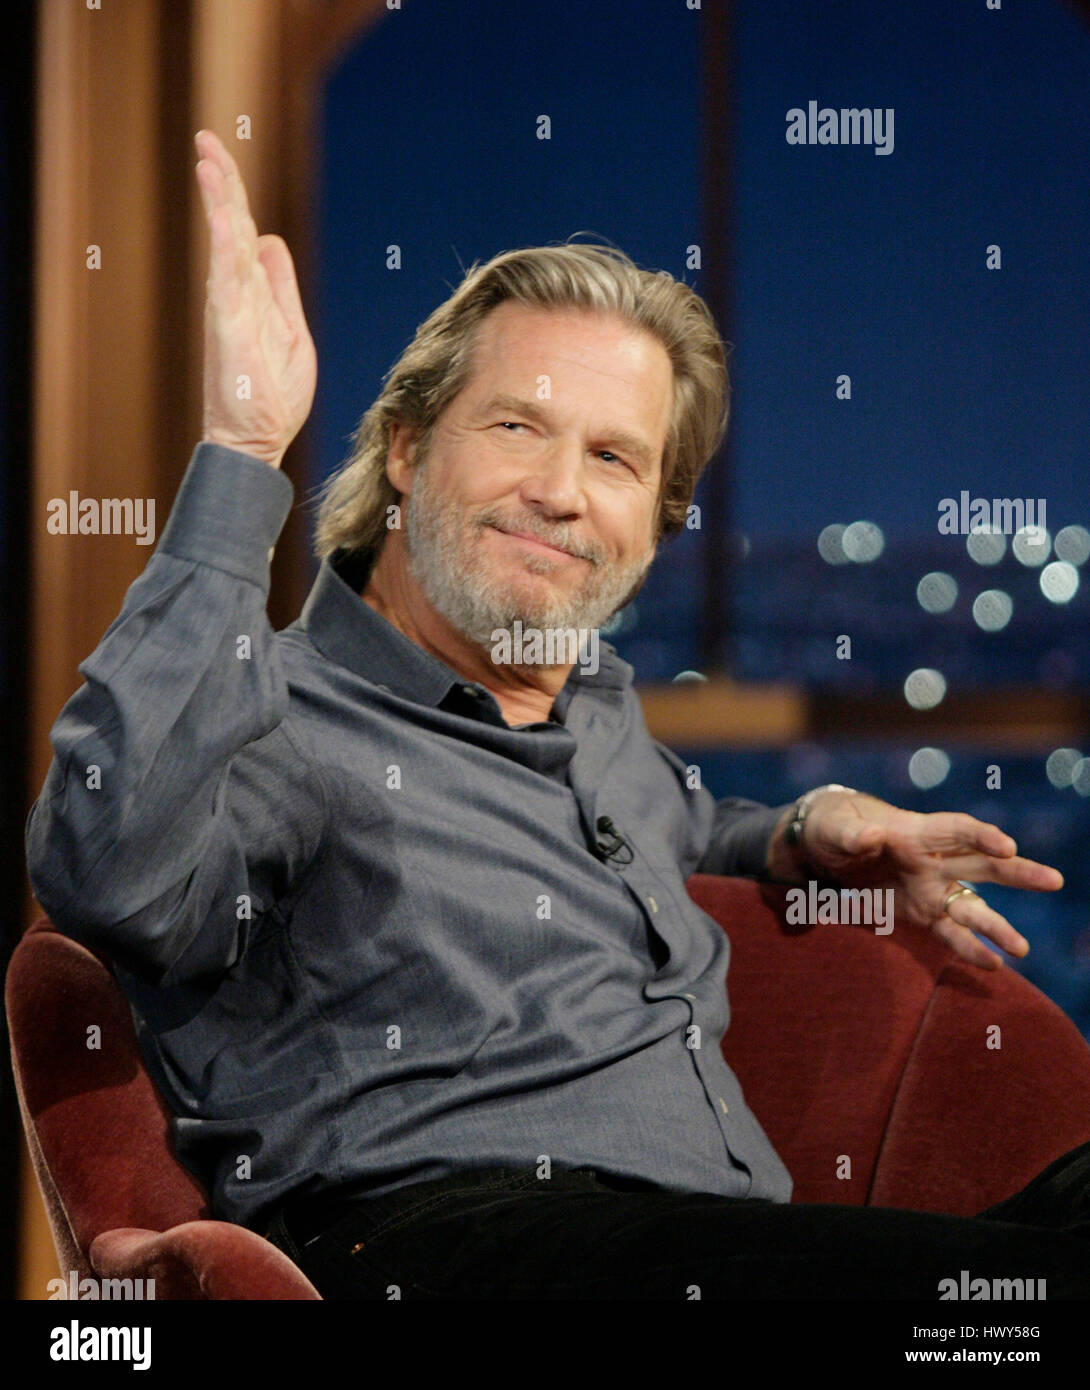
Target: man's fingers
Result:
[[212, 172], [945, 832], [970, 912], [212, 148], [970, 916], [224, 288], [273, 253], [1010, 873], [221, 183], [234, 255], [209, 145], [236, 189], [207, 176], [965, 944]]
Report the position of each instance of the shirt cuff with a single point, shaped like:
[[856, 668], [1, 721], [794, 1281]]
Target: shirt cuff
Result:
[[747, 841], [229, 512]]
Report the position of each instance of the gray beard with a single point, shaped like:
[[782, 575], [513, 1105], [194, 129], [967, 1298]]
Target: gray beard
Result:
[[441, 542]]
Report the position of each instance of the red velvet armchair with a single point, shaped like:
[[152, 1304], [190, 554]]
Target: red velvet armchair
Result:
[[845, 1043]]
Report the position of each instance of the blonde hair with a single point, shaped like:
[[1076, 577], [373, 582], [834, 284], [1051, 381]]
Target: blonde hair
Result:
[[437, 364]]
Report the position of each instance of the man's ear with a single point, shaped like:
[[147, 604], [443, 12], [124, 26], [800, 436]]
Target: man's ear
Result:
[[400, 456]]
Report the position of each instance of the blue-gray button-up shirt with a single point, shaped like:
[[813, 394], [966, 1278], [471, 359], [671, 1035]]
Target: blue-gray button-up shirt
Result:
[[371, 933]]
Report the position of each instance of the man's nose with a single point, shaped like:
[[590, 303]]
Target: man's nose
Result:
[[556, 481]]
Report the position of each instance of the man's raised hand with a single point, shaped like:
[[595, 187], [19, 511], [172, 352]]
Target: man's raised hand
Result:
[[260, 367]]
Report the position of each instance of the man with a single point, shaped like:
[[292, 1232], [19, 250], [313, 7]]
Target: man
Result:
[[405, 927]]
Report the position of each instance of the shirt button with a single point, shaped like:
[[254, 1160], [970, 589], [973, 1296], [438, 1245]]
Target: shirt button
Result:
[[690, 996], [723, 1103], [654, 904]]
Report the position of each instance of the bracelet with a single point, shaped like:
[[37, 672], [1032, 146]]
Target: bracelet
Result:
[[792, 834]]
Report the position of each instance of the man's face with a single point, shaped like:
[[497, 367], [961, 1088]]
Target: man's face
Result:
[[537, 495]]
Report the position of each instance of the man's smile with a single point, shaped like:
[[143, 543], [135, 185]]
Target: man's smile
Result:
[[522, 538]]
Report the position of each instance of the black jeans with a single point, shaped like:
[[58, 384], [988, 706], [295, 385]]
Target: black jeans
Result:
[[495, 1233]]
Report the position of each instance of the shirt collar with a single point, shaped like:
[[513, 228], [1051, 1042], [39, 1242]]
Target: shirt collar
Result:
[[350, 632]]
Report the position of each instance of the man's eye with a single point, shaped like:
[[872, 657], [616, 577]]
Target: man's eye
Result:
[[512, 424]]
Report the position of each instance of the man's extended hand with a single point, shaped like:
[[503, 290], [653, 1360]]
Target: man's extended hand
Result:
[[254, 326], [863, 842]]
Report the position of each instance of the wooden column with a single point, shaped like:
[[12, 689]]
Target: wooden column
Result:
[[117, 410], [98, 421]]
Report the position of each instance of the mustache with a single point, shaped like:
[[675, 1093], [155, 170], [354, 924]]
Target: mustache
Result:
[[560, 537]]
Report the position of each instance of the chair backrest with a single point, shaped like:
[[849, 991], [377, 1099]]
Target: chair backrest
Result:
[[97, 1127], [947, 1087]]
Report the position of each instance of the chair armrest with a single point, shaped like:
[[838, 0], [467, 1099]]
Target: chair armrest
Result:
[[201, 1260], [846, 1042]]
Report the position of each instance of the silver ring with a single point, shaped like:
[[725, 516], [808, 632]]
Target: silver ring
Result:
[[965, 888]]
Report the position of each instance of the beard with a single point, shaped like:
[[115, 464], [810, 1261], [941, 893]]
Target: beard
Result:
[[446, 553]]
